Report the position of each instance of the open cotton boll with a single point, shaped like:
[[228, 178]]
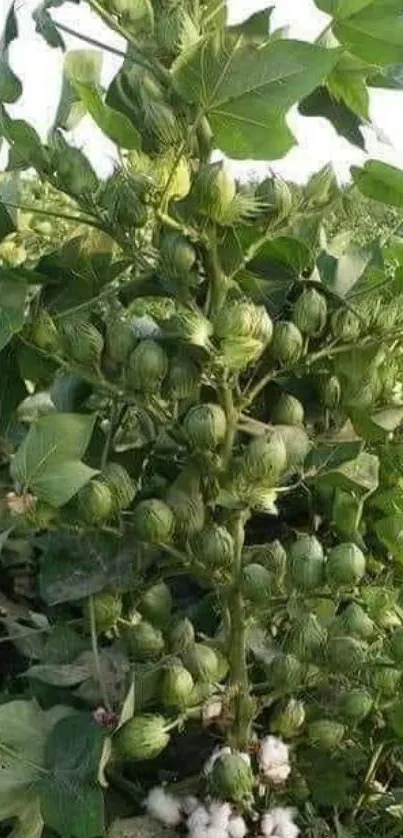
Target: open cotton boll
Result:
[[267, 825], [220, 814], [199, 818], [164, 807], [216, 832], [219, 752], [237, 827], [189, 804], [274, 759], [284, 823]]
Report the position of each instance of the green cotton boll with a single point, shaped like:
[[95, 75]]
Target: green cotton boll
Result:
[[288, 718], [213, 547], [43, 332], [326, 734], [346, 654], [153, 522], [355, 705], [177, 256], [190, 327], [310, 313], [287, 410], [213, 191], [183, 379], [177, 686], [285, 673], [264, 460], [354, 622], [147, 366], [205, 426], [120, 341], [307, 639], [189, 511], [156, 604], [288, 344], [107, 611], [82, 342], [231, 778], [120, 484], [95, 502], [345, 326], [243, 319], [181, 636], [202, 662], [256, 584], [239, 353], [159, 127], [386, 680], [345, 565], [307, 563], [141, 738], [276, 197], [297, 445], [144, 642]]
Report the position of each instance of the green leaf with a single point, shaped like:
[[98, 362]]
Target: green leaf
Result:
[[380, 182], [10, 85], [358, 475], [214, 15], [24, 728], [256, 27], [375, 33], [98, 561], [44, 24], [70, 110], [12, 390], [378, 425], [13, 297], [71, 798], [137, 16], [48, 461], [83, 68], [341, 275], [346, 123], [342, 8], [246, 92], [390, 533], [24, 141], [62, 675], [9, 193]]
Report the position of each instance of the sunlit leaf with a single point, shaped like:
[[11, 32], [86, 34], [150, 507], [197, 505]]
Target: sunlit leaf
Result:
[[246, 92]]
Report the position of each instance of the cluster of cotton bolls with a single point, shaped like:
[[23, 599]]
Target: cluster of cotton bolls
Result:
[[211, 818]]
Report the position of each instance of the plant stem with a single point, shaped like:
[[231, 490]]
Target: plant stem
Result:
[[372, 768], [76, 219], [95, 652], [239, 680], [215, 274], [93, 41], [232, 420]]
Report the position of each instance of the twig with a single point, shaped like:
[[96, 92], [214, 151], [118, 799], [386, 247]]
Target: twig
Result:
[[95, 652], [77, 219]]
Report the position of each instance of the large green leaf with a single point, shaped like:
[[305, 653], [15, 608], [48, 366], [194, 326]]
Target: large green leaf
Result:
[[359, 475], [9, 191], [341, 275], [24, 728], [98, 561], [24, 141], [246, 92], [346, 123], [376, 426], [83, 69], [390, 533], [71, 798], [49, 460], [13, 296], [12, 389], [371, 29], [10, 85], [380, 182]]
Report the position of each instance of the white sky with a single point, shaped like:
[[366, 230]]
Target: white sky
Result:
[[40, 67]]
